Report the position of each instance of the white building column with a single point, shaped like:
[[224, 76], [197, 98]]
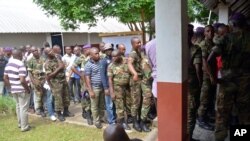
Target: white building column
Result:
[[48, 38], [172, 61], [223, 13]]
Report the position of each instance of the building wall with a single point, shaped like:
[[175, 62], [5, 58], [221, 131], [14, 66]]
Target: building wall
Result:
[[70, 39], [18, 39]]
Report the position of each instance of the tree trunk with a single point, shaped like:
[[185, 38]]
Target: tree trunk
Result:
[[143, 27]]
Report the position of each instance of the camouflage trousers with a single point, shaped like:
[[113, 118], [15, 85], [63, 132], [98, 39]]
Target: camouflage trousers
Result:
[[39, 92], [207, 97], [97, 104], [135, 90], [193, 102], [232, 92], [60, 92], [121, 92], [146, 87]]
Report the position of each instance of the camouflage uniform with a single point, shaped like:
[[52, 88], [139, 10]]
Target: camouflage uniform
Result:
[[121, 76], [208, 90], [194, 86], [235, 81], [128, 94], [59, 86], [35, 67], [135, 86], [80, 62], [146, 86]]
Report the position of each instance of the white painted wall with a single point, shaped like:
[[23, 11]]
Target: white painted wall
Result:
[[171, 37], [223, 13], [18, 39], [126, 40], [80, 38]]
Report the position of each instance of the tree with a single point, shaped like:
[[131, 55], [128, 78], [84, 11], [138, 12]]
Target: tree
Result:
[[198, 12], [136, 14]]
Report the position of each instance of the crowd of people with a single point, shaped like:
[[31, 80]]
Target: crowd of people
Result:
[[111, 86], [219, 76]]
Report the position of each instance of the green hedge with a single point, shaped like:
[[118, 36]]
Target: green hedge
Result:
[[7, 105]]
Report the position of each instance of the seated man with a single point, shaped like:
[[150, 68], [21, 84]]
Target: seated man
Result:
[[116, 132]]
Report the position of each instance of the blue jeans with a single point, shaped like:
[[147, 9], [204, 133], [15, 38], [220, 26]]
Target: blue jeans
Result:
[[50, 103], [110, 109], [75, 88]]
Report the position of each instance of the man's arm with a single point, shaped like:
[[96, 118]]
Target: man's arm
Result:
[[89, 86], [111, 88], [59, 68], [132, 69], [198, 72], [24, 83], [6, 81]]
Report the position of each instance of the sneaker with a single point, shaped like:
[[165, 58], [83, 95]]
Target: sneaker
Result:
[[53, 118], [26, 129]]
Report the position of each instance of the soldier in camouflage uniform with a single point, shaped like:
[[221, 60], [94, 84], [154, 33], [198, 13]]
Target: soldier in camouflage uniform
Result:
[[119, 76], [208, 89], [146, 86], [195, 79], [37, 77], [134, 65], [85, 101], [235, 81], [54, 69]]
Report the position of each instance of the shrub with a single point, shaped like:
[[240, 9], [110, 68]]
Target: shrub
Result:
[[7, 105]]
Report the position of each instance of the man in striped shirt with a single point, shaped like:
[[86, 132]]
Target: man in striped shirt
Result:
[[92, 71], [14, 78]]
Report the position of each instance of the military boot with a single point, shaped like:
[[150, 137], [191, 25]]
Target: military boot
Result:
[[144, 126], [42, 112], [60, 116], [89, 118], [84, 114], [66, 112], [125, 124], [136, 124]]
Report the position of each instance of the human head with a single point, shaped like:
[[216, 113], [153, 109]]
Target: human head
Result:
[[8, 51], [68, 50], [77, 51], [237, 21], [46, 44], [94, 53], [17, 54], [136, 43], [116, 56], [108, 49], [198, 36], [57, 49], [49, 52], [122, 49], [115, 132], [34, 50], [101, 45], [27, 47], [86, 48], [209, 32], [222, 30]]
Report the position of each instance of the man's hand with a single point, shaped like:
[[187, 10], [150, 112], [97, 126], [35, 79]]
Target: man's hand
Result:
[[106, 91], [113, 96], [135, 77], [92, 94], [212, 79]]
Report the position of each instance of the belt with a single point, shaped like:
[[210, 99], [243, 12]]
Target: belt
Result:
[[96, 85]]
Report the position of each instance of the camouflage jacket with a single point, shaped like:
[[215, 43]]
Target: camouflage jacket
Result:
[[51, 66], [195, 58], [35, 67], [119, 73], [81, 61], [235, 51], [137, 61]]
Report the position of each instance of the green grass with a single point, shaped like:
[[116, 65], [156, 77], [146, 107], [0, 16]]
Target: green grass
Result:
[[7, 105], [45, 130]]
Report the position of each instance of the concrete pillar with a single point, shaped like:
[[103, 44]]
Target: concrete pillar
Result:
[[172, 61], [223, 13]]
